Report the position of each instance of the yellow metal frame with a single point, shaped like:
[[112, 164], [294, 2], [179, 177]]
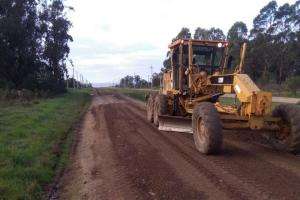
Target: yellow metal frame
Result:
[[255, 105]]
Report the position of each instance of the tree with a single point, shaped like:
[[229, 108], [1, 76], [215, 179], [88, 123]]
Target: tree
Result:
[[133, 82], [144, 83], [156, 79], [127, 81], [237, 35], [259, 58], [183, 34], [33, 44], [216, 34], [211, 34], [273, 43], [295, 16], [57, 40], [261, 39], [263, 23], [201, 34], [19, 41], [137, 81], [238, 32], [293, 84]]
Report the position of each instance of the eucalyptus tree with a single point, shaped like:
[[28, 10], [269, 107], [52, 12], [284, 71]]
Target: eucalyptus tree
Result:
[[210, 34], [237, 34], [19, 43]]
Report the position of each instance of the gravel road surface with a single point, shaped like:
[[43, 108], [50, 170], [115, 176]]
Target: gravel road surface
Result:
[[119, 155]]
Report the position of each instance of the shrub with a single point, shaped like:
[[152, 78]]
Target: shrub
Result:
[[293, 84]]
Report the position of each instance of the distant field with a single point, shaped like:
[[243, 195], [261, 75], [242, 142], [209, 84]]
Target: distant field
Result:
[[139, 94], [34, 141]]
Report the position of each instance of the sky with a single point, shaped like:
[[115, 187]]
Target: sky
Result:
[[114, 38]]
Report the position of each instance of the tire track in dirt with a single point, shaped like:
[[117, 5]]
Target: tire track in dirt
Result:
[[266, 175], [121, 156], [147, 169], [95, 172], [220, 178]]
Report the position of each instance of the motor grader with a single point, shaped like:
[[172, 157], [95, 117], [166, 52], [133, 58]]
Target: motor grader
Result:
[[189, 99]]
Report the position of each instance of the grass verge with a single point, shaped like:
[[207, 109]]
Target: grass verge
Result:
[[34, 141]]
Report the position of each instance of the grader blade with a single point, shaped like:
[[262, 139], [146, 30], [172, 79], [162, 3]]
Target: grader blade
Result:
[[175, 124]]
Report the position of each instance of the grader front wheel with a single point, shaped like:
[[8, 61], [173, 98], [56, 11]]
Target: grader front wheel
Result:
[[207, 128], [288, 138]]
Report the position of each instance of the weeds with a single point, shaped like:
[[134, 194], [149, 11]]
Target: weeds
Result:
[[31, 136]]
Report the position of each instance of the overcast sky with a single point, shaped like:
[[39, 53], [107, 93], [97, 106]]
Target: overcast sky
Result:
[[113, 38]]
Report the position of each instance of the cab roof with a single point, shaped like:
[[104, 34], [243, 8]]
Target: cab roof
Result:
[[176, 43]]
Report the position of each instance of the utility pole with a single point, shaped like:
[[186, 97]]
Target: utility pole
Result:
[[151, 68], [134, 83], [77, 80], [83, 84]]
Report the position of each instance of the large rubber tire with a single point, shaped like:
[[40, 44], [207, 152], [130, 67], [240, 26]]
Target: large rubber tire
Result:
[[150, 108], [160, 107], [290, 115], [207, 128]]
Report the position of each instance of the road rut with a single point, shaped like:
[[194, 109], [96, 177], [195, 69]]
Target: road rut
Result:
[[119, 155]]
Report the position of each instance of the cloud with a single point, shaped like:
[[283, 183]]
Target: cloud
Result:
[[116, 37], [106, 61], [105, 27]]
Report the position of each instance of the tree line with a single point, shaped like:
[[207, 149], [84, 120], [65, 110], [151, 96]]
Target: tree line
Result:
[[273, 54], [137, 82], [34, 44]]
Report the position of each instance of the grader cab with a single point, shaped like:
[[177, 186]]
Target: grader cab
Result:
[[189, 99]]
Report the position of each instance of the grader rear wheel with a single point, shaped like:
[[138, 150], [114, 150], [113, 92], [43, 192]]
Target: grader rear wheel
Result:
[[207, 128], [160, 107], [289, 136]]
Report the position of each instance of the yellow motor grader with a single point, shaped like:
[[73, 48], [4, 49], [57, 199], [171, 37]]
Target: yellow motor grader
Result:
[[189, 99]]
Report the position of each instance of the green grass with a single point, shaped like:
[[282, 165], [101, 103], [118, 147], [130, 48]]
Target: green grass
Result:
[[32, 139], [285, 94]]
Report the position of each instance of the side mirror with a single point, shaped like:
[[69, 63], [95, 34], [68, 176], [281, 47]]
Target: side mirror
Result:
[[229, 63]]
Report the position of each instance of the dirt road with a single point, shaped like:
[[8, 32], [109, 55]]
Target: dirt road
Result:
[[119, 155]]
